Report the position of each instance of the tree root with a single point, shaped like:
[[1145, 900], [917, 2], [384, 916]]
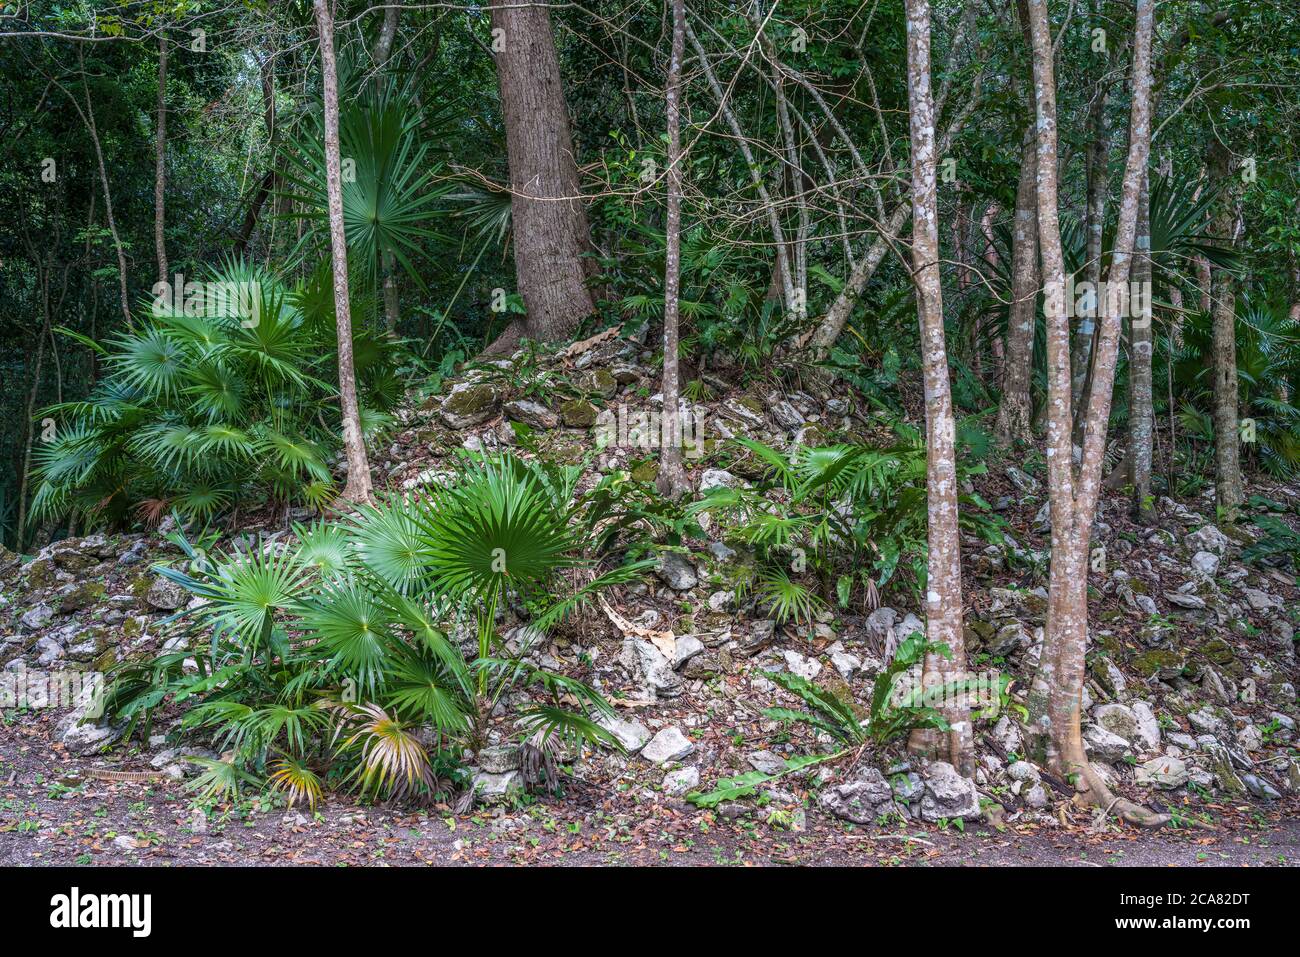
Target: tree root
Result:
[[1095, 793]]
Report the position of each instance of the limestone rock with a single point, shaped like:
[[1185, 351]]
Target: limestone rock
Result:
[[1207, 539], [675, 571], [681, 780], [166, 595], [862, 799], [948, 795], [668, 745], [531, 413], [1166, 773], [469, 404]]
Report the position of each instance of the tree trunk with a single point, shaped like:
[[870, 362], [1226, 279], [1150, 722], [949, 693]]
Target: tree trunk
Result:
[[943, 566], [357, 489], [1014, 408], [837, 316], [1098, 189], [88, 118], [548, 221], [672, 476], [160, 162], [388, 261], [387, 34], [1073, 498], [784, 270], [1228, 488], [1141, 416]]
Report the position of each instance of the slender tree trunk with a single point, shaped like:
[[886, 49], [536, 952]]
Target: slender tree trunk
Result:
[[268, 182], [784, 268], [837, 316], [160, 162], [1141, 416], [672, 476], [943, 566], [88, 118], [1228, 487], [1015, 408], [1098, 190], [1073, 498], [548, 221], [387, 34], [388, 261], [357, 489]]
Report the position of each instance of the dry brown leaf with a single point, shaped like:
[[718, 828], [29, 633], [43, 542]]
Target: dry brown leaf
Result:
[[665, 641]]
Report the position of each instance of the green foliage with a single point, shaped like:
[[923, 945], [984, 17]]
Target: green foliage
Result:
[[204, 408], [847, 510], [1268, 378], [390, 197], [331, 652], [831, 712], [1279, 542]]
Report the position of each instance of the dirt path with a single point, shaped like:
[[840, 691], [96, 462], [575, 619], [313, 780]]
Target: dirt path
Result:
[[44, 821]]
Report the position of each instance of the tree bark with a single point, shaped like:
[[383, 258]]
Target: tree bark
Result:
[[1141, 416], [1073, 498], [672, 476], [357, 490], [388, 261], [943, 565], [387, 34], [1014, 407], [548, 221], [160, 162], [1228, 488]]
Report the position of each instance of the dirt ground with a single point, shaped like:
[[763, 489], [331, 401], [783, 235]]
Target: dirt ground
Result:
[[47, 817]]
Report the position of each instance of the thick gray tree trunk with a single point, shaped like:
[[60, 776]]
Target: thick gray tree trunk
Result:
[[548, 221]]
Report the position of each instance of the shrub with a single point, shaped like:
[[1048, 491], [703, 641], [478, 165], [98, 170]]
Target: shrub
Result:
[[201, 411], [332, 654], [849, 511]]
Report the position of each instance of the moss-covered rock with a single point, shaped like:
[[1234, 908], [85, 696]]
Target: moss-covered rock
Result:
[[469, 404], [80, 596], [39, 573], [978, 634], [1218, 651], [1160, 663], [578, 414], [646, 471], [601, 382]]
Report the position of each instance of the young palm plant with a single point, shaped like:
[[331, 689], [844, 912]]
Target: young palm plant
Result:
[[202, 409], [848, 511], [332, 652]]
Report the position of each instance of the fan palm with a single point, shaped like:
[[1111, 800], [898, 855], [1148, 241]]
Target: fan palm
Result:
[[202, 405]]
